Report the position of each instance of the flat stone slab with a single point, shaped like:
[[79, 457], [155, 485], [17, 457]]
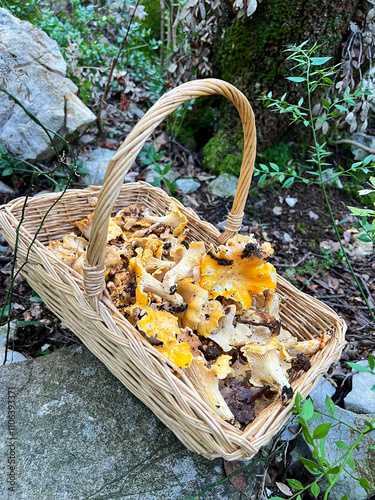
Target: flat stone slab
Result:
[[80, 434]]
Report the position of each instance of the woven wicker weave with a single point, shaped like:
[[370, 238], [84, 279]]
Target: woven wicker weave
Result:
[[84, 305]]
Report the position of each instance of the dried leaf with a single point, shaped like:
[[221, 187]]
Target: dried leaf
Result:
[[239, 480]]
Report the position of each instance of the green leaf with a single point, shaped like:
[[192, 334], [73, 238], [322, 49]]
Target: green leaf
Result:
[[345, 497], [5, 310], [373, 389], [367, 160], [330, 405], [315, 490], [341, 445], [36, 299], [158, 169], [328, 80], [296, 79], [307, 409], [351, 463], [334, 470], [341, 107], [7, 171], [363, 237], [274, 167], [288, 182], [157, 182], [262, 178], [358, 367], [325, 103], [295, 484], [364, 483], [321, 431], [310, 465], [319, 61]]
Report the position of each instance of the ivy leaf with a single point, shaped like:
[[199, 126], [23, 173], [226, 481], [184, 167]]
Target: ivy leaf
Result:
[[296, 79], [319, 61]]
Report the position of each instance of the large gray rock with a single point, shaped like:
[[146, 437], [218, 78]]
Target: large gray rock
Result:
[[36, 75], [79, 434], [361, 399], [363, 456], [224, 186], [96, 162]]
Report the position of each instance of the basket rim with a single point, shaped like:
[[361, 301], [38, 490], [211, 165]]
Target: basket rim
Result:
[[280, 411]]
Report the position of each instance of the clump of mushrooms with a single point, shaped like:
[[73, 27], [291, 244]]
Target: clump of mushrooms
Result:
[[212, 311]]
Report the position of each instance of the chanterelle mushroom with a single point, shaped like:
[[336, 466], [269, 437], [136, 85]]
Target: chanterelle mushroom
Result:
[[241, 276], [206, 382], [187, 267], [228, 336], [212, 311], [163, 326], [308, 347], [175, 218], [269, 364], [146, 284], [194, 296]]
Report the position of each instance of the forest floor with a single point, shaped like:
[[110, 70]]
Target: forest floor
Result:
[[305, 252]]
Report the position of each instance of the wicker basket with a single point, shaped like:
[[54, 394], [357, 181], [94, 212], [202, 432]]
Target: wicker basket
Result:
[[84, 305]]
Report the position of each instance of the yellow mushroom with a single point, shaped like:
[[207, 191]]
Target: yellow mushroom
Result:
[[147, 284], [206, 382], [212, 311], [163, 326], [187, 267], [269, 364], [175, 219], [239, 278], [194, 296], [227, 335]]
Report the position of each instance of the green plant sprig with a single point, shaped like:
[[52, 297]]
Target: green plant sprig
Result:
[[316, 439], [312, 79]]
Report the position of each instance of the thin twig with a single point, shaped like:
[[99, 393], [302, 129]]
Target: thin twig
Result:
[[113, 65], [356, 144]]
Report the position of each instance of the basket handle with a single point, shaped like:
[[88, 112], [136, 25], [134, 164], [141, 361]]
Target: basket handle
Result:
[[122, 161]]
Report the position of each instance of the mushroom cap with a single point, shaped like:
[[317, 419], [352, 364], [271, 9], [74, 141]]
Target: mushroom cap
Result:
[[187, 267], [163, 326], [212, 311], [194, 296], [269, 364], [227, 335], [174, 218], [237, 279], [206, 383]]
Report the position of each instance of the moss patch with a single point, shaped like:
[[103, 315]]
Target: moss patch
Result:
[[223, 156]]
